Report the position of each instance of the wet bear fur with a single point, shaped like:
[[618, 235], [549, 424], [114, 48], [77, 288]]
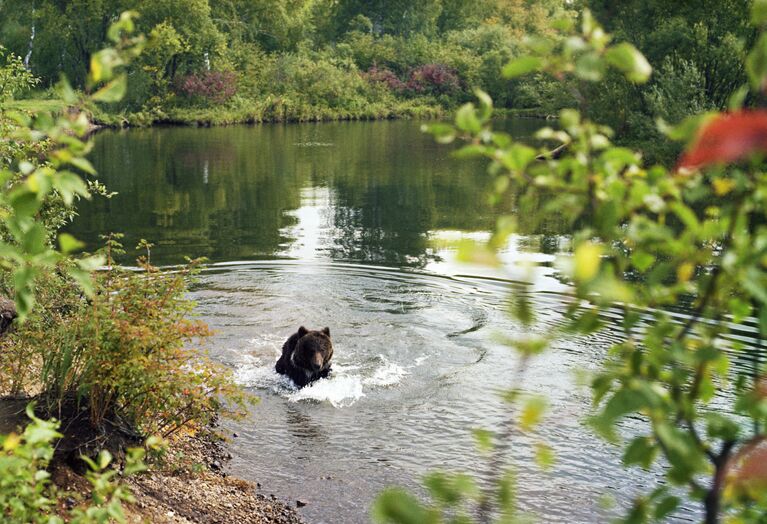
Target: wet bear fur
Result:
[[306, 356]]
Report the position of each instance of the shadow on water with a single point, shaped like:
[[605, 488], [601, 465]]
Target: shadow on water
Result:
[[352, 225]]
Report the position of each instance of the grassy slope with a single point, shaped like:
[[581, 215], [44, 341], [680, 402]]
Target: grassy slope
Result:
[[257, 112]]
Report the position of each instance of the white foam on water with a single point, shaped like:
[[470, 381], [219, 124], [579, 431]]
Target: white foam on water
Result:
[[387, 375], [339, 391], [346, 384], [255, 373], [268, 341], [344, 368], [420, 360]]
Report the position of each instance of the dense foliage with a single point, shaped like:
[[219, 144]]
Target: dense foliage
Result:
[[647, 239], [288, 59], [697, 50]]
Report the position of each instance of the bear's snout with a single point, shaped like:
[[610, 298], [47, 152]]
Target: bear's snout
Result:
[[317, 362]]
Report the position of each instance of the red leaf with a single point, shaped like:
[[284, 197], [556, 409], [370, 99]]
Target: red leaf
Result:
[[748, 469], [728, 138]]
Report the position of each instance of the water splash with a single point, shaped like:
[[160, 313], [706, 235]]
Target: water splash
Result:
[[340, 391], [389, 374], [347, 384]]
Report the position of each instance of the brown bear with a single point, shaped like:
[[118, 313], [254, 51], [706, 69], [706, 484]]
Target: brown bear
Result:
[[306, 356]]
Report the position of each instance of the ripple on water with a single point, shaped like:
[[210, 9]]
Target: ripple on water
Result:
[[415, 369]]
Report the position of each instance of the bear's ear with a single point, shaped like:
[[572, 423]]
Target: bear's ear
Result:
[[326, 331], [302, 331]]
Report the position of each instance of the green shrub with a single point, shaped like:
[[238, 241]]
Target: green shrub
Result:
[[14, 77], [127, 354], [27, 495]]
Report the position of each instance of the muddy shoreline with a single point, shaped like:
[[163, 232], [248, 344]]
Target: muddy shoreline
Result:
[[189, 486]]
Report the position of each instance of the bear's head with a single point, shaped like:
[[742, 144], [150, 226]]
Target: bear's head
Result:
[[313, 350]]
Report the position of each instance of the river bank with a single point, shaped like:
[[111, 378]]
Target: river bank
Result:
[[188, 486], [169, 495], [260, 112]]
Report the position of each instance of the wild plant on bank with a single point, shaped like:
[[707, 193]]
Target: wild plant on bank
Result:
[[129, 354], [27, 495]]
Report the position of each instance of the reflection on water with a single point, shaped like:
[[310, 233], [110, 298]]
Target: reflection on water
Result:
[[360, 191], [350, 225]]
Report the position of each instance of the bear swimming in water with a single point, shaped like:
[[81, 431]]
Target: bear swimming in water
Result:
[[306, 356]]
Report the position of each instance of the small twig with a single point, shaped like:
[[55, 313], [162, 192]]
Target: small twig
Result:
[[713, 497], [495, 464]]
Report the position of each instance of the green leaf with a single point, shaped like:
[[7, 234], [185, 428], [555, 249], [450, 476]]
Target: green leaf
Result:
[[124, 25], [450, 489], [627, 58], [24, 202], [507, 496], [83, 165], [686, 130], [687, 216], [466, 119], [113, 91], [69, 244], [443, 133], [69, 185], [532, 412], [756, 63], [485, 105], [719, 426], [740, 309], [759, 12], [84, 280], [544, 456], [518, 157], [641, 451], [522, 66], [41, 432], [66, 92], [102, 65], [642, 260], [587, 260], [763, 321], [483, 439], [469, 151], [738, 98], [91, 263], [104, 459], [397, 506], [569, 118], [666, 506], [590, 67], [623, 402], [34, 239]]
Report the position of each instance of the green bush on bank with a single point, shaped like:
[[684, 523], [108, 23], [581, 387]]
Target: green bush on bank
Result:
[[129, 355], [27, 495], [109, 352]]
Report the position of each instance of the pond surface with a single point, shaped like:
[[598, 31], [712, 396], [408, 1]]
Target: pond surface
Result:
[[352, 226]]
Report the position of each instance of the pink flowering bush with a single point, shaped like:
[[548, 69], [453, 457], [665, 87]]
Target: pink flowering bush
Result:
[[386, 77], [434, 79], [427, 79], [211, 86]]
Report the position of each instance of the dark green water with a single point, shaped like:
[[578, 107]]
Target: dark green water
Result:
[[235, 193], [351, 226]]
